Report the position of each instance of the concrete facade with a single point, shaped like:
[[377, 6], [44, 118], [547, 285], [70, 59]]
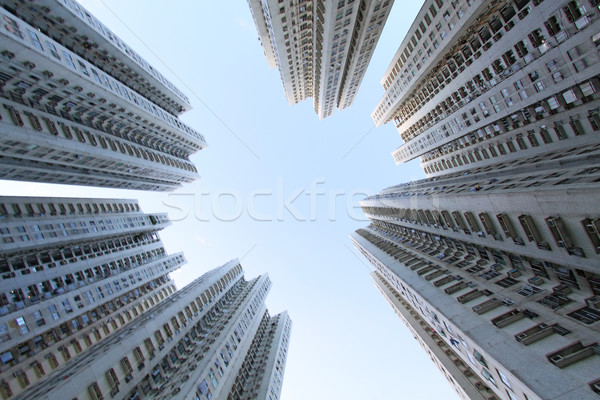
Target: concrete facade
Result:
[[496, 331], [322, 49], [478, 82], [74, 271], [492, 260], [88, 309], [79, 106]]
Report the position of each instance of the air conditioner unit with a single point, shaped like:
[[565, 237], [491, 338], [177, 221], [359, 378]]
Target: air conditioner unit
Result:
[[556, 358], [590, 228], [514, 273], [543, 245], [536, 280], [521, 336], [594, 302], [507, 302]]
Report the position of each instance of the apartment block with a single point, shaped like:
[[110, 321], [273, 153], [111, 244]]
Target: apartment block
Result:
[[74, 271], [79, 106], [322, 49], [499, 325], [88, 309], [491, 261], [475, 82]]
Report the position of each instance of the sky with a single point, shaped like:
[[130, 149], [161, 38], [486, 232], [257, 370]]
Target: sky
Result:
[[279, 190]]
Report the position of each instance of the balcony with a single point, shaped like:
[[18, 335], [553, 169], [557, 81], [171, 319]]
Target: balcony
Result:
[[435, 274], [487, 305], [572, 354], [508, 318], [427, 269], [594, 302], [562, 237], [456, 287], [444, 280], [534, 334], [472, 295]]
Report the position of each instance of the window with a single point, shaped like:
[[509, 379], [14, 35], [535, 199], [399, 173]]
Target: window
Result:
[[528, 290], [211, 374], [203, 387], [38, 368], [53, 312], [22, 325], [592, 228], [39, 319], [96, 76], [113, 381], [67, 306], [12, 27], [586, 315], [139, 355], [35, 39], [83, 68], [480, 358], [95, 392], [126, 365], [504, 379], [69, 59], [545, 135], [532, 139], [488, 376], [22, 378], [507, 282]]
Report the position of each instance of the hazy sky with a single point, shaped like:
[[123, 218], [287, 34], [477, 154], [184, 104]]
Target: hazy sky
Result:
[[346, 343]]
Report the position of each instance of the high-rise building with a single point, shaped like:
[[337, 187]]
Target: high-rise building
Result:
[[79, 106], [491, 261], [322, 49], [88, 309], [499, 280], [493, 80], [73, 272]]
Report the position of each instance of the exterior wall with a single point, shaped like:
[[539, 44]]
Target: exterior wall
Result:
[[91, 39], [288, 31], [516, 342], [459, 374], [73, 272], [545, 212], [191, 345], [70, 114], [510, 79], [522, 236], [499, 99], [423, 44], [322, 49], [152, 344], [87, 308], [367, 30], [263, 31], [261, 375]]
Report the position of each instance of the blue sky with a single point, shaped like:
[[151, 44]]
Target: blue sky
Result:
[[347, 343]]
